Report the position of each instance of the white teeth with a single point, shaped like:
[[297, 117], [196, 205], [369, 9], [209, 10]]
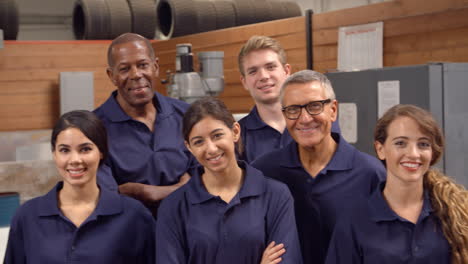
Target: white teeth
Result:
[[265, 87], [306, 129], [137, 88], [76, 171], [311, 126], [410, 165], [216, 158]]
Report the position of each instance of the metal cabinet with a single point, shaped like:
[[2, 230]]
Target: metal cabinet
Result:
[[441, 88]]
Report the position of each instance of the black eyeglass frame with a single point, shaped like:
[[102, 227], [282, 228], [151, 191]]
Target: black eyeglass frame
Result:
[[323, 102]]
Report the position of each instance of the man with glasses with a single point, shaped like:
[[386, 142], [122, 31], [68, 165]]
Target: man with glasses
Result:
[[263, 67], [324, 173]]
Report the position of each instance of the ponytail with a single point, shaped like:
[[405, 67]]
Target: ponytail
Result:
[[450, 203]]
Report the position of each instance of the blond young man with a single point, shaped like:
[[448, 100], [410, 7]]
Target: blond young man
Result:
[[263, 68]]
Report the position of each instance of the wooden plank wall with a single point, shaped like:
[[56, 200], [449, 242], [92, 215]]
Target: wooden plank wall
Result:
[[415, 32], [29, 79]]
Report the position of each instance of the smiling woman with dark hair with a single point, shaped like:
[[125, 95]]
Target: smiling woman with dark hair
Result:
[[77, 221], [418, 215], [228, 212]]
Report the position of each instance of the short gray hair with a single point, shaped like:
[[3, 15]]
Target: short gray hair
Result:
[[307, 76]]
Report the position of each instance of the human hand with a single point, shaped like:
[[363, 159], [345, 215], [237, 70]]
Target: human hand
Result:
[[134, 190], [184, 179], [273, 253], [129, 188]]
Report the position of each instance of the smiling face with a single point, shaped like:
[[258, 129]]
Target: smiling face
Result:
[[309, 131], [133, 73], [76, 157], [263, 75], [212, 143], [407, 151]]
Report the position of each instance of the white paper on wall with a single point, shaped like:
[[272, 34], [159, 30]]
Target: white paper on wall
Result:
[[388, 95], [347, 118], [360, 47]]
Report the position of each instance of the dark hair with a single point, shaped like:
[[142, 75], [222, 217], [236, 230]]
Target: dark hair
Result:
[[128, 37], [208, 106], [448, 199], [88, 123]]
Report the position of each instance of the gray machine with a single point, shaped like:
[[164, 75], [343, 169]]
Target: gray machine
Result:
[[1, 39], [441, 88], [186, 84]]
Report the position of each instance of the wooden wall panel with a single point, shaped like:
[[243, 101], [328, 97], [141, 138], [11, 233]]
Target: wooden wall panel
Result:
[[29, 79], [415, 32], [384, 11], [435, 31]]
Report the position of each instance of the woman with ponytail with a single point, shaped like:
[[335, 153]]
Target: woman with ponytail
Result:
[[418, 215]]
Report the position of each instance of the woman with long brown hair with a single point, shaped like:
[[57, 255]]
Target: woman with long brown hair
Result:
[[418, 215]]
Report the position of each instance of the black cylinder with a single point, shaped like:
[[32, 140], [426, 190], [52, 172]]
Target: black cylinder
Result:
[[91, 19], [9, 21], [186, 62]]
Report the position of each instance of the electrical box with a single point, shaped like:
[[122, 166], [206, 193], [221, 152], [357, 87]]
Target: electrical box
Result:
[[1, 39], [76, 91], [441, 88]]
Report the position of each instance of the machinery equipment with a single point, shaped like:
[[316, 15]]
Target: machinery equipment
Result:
[[186, 84]]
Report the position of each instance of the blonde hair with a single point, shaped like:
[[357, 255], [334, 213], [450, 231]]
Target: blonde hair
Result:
[[259, 43], [448, 199], [450, 203]]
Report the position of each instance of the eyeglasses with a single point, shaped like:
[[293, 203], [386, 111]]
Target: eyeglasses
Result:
[[293, 112]]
